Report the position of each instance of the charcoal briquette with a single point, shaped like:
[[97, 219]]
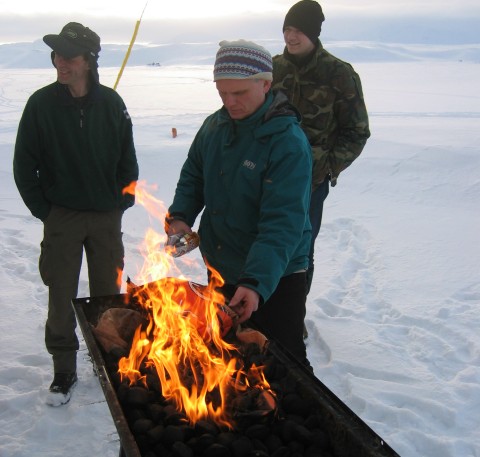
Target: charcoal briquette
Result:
[[142, 426], [203, 426], [273, 442], [173, 434], [315, 451], [287, 430], [257, 453], [137, 396], [180, 449], [259, 445], [155, 434], [161, 450], [242, 447], [205, 440], [217, 450], [226, 438], [122, 392], [320, 438], [170, 409], [303, 435], [135, 414], [260, 431], [176, 418], [155, 412], [150, 454], [143, 444], [296, 447], [282, 451], [296, 418], [312, 421], [292, 403]]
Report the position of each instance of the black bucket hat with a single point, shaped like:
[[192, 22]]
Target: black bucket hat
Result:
[[75, 40]]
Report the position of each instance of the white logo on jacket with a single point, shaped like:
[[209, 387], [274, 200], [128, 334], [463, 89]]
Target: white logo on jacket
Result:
[[249, 164]]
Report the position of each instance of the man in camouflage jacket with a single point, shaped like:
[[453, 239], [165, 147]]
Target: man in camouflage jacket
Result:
[[328, 94]]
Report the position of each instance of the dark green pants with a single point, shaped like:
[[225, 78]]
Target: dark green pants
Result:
[[67, 235]]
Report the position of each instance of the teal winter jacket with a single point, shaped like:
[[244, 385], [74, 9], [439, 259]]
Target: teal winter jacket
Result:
[[76, 156], [252, 179]]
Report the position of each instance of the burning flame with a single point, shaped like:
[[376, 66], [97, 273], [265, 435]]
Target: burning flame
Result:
[[184, 341]]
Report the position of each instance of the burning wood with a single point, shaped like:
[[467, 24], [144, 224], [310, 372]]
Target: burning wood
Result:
[[181, 336], [116, 328]]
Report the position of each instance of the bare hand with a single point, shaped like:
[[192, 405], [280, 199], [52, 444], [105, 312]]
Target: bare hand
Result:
[[178, 227], [244, 302]]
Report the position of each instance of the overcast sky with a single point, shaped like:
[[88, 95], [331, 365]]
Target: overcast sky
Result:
[[210, 8], [164, 20]]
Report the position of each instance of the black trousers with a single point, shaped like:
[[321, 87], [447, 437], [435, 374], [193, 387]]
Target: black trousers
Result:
[[316, 210]]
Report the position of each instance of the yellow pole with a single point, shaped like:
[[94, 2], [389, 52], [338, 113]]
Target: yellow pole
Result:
[[127, 55]]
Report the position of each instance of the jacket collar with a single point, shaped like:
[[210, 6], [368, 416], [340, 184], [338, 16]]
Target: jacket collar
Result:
[[306, 61], [65, 97], [280, 106]]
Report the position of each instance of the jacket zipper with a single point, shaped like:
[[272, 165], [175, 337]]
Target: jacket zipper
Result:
[[81, 118]]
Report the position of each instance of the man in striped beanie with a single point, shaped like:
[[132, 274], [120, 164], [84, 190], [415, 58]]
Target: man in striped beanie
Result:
[[248, 174], [239, 65], [242, 59]]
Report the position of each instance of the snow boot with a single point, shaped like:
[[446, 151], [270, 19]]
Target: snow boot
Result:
[[61, 388]]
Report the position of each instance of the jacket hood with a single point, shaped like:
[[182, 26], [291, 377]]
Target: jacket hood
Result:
[[277, 116], [281, 107]]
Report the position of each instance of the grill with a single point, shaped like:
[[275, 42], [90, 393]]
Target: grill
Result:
[[343, 433]]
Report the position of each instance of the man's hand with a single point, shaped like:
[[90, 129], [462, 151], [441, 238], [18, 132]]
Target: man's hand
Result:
[[244, 302], [178, 228], [181, 239]]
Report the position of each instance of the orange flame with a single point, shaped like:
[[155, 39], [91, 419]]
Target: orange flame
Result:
[[184, 338], [153, 205]]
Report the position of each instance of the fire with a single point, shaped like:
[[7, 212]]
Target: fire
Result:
[[197, 368]]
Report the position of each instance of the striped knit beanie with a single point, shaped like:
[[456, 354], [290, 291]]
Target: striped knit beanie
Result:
[[242, 59]]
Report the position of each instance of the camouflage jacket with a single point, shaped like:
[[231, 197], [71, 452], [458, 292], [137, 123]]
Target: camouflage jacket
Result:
[[328, 94]]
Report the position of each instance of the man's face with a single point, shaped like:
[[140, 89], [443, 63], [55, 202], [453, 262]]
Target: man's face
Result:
[[298, 44], [72, 72], [242, 97]]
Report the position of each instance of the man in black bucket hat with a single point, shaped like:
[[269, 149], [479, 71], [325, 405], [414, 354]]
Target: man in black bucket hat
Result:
[[75, 167], [75, 40]]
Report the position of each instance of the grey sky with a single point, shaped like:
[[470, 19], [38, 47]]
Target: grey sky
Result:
[[424, 21]]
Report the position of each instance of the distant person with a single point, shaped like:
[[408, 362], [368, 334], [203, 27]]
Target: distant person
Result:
[[74, 155], [248, 172], [328, 94]]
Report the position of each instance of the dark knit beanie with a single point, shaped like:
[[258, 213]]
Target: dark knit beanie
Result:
[[306, 16]]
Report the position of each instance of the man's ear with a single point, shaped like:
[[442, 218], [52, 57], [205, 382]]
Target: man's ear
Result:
[[52, 56], [266, 86], [86, 57]]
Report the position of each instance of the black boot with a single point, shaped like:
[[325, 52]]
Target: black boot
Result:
[[61, 388]]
